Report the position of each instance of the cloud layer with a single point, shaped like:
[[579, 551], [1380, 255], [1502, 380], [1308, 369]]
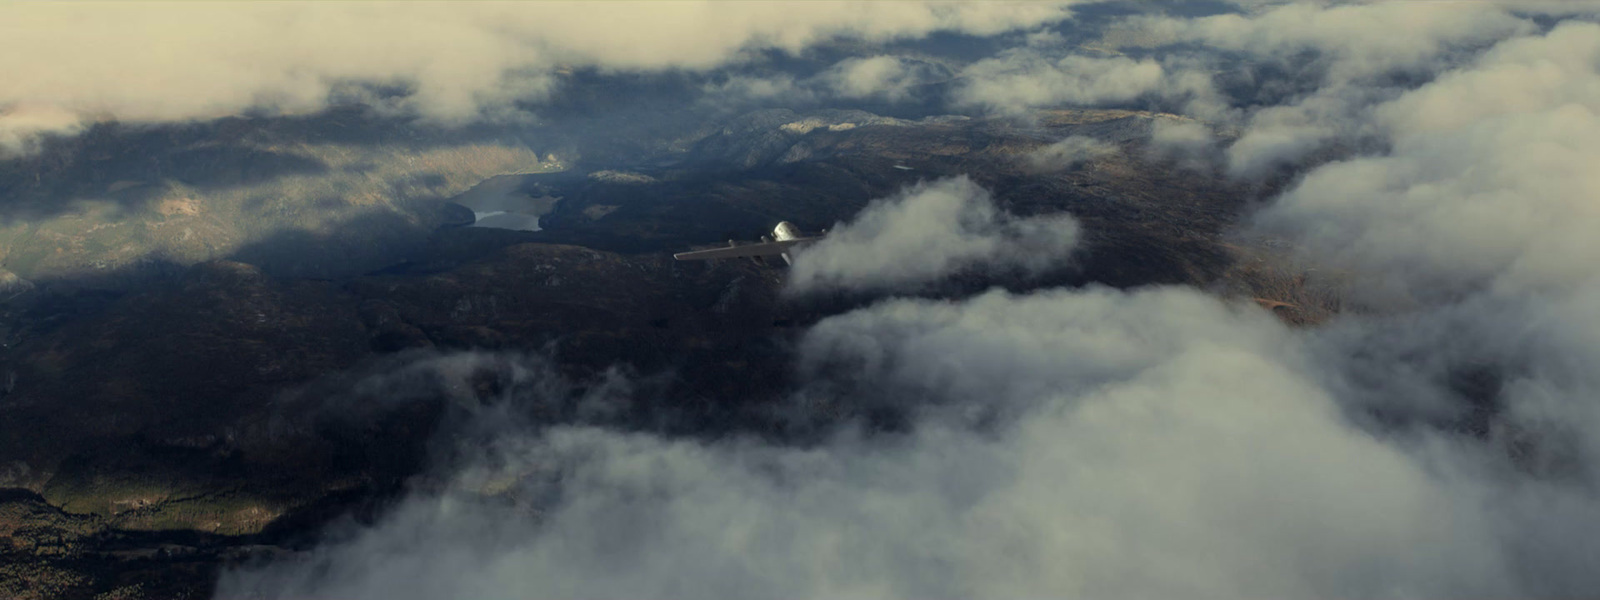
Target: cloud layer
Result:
[[926, 233], [1025, 79], [1488, 183], [1088, 443], [456, 61], [1153, 443], [1294, 78]]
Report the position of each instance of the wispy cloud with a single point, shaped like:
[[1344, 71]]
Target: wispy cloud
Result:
[[929, 232], [1067, 153]]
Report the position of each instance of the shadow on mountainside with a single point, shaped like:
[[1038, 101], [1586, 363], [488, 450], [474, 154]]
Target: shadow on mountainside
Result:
[[119, 163]]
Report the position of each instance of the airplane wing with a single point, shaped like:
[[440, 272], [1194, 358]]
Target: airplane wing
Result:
[[758, 249]]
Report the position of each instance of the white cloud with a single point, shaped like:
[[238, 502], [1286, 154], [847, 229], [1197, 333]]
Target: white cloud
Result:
[[1188, 142], [1520, 76], [21, 125], [1159, 444], [1067, 153], [1357, 40], [1155, 443], [1474, 231], [928, 232], [1098, 443], [161, 62], [1022, 80], [886, 77], [1342, 59], [1490, 181], [1281, 135], [740, 88]]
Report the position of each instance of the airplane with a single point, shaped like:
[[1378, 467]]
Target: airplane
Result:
[[784, 237]]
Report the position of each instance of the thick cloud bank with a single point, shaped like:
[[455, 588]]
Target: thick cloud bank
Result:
[[1294, 78], [1090, 443], [457, 61], [1490, 182], [927, 232]]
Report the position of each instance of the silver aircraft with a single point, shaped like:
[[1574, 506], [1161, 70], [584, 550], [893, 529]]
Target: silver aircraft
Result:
[[784, 237]]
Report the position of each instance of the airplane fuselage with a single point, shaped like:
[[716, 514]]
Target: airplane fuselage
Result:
[[785, 231]]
